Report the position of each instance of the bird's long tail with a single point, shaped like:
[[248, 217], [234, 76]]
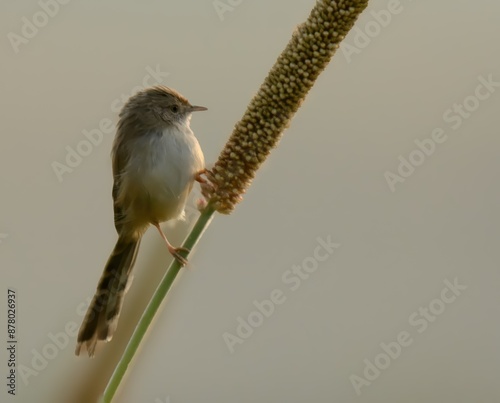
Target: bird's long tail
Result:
[[102, 315]]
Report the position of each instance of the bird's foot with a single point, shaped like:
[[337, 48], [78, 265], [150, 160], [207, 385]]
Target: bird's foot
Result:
[[206, 180], [175, 253]]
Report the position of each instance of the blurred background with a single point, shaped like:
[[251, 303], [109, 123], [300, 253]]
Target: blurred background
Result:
[[373, 228]]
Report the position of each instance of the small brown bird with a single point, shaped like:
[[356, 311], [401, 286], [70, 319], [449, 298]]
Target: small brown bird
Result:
[[156, 159]]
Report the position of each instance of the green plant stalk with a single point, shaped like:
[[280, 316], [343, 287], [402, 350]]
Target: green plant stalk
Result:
[[154, 304], [309, 51]]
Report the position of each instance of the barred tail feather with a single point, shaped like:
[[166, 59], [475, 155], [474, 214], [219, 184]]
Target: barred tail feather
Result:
[[102, 315]]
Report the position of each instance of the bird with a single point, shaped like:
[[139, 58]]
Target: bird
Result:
[[156, 159]]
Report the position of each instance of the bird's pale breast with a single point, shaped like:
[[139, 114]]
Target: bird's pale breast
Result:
[[160, 175]]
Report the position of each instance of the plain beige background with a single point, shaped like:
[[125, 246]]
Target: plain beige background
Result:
[[326, 179]]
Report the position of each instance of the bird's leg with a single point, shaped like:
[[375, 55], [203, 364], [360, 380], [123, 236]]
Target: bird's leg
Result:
[[172, 249]]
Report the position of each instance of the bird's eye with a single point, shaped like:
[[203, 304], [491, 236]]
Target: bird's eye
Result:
[[174, 108]]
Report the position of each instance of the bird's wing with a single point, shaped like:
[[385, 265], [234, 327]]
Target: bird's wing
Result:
[[119, 162]]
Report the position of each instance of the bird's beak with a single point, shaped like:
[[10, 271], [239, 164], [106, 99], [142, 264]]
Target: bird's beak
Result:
[[194, 108]]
